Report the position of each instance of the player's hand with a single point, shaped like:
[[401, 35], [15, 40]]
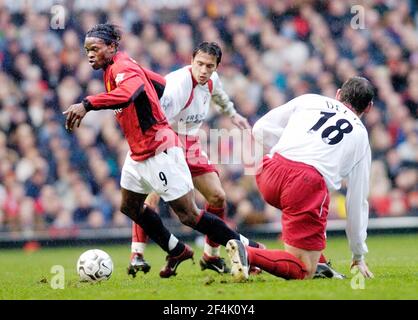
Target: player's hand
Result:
[[240, 121], [75, 113], [362, 267]]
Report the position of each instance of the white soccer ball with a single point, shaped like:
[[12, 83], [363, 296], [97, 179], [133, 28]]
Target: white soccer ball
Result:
[[94, 265]]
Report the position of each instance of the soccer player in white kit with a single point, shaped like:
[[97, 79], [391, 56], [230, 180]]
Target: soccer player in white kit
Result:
[[314, 143], [186, 103]]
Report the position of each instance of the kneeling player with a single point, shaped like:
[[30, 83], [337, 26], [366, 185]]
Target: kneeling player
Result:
[[315, 142]]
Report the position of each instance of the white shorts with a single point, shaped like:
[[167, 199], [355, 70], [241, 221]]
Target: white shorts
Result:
[[166, 173]]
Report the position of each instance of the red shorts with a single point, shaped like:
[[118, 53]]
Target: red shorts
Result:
[[299, 190], [197, 160]]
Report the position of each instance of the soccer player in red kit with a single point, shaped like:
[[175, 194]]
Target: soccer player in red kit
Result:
[[155, 161], [186, 102], [314, 143]]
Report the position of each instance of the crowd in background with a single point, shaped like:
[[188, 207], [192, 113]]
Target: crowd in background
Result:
[[272, 52]]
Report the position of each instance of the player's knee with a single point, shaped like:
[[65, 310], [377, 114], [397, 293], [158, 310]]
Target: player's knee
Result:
[[217, 198], [130, 211], [188, 219], [186, 215], [126, 211], [124, 208]]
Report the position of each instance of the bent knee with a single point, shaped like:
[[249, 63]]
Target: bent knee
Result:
[[132, 212], [217, 198], [188, 219], [124, 209]]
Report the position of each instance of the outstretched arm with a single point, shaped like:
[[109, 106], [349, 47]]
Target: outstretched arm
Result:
[[226, 106], [129, 86], [358, 212]]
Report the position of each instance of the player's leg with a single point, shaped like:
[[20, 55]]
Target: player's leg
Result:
[[206, 180], [205, 222], [277, 262], [173, 182], [301, 193], [309, 258], [137, 261], [170, 177], [304, 224], [210, 187], [135, 186], [133, 206], [291, 263], [139, 241]]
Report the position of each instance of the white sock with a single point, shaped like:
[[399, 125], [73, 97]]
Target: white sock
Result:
[[244, 240], [138, 247], [212, 251], [172, 242]]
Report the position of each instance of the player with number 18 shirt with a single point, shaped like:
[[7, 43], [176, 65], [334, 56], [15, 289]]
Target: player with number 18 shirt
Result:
[[314, 143]]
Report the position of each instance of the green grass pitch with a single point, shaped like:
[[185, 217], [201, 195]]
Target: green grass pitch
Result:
[[393, 259]]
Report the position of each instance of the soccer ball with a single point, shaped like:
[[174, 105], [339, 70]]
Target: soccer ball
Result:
[[94, 265]]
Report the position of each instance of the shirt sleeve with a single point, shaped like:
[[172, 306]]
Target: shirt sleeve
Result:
[[177, 92], [158, 82], [269, 128], [129, 85], [220, 97], [357, 206]]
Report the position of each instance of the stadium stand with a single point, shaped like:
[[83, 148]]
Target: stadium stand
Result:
[[55, 182]]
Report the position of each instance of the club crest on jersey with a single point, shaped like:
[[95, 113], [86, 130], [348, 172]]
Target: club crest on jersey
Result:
[[205, 99], [119, 78]]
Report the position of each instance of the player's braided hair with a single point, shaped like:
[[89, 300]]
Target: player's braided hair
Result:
[[108, 32]]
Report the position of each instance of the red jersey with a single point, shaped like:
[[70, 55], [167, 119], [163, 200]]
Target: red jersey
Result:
[[133, 93]]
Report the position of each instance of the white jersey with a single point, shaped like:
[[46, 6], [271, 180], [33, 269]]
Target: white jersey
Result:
[[324, 133], [186, 103]]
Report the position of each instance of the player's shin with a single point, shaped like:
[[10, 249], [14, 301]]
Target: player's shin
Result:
[[139, 239], [211, 248], [218, 231], [277, 262], [151, 222]]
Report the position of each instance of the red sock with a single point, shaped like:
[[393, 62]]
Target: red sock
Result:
[[138, 234], [277, 262], [220, 212], [322, 259]]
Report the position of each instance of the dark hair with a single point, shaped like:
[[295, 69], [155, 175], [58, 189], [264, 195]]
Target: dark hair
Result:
[[358, 92], [108, 32], [211, 48]]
